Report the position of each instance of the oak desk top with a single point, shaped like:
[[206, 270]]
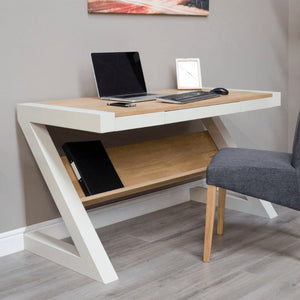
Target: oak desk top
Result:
[[93, 103], [93, 115]]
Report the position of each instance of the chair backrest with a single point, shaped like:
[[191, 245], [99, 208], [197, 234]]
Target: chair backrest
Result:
[[296, 146]]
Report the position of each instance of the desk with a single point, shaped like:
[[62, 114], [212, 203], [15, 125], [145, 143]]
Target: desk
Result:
[[90, 114]]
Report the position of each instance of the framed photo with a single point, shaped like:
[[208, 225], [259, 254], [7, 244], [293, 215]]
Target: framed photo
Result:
[[188, 73]]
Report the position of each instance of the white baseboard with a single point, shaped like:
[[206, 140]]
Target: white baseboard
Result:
[[237, 202], [13, 241]]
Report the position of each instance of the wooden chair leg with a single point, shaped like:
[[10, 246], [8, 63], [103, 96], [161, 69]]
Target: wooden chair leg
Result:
[[221, 211], [209, 220]]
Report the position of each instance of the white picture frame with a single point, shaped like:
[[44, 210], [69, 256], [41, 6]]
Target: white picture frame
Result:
[[188, 73]]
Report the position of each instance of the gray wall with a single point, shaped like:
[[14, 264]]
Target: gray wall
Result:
[[45, 47]]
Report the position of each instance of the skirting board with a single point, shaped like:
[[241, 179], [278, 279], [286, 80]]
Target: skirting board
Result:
[[13, 241], [237, 202]]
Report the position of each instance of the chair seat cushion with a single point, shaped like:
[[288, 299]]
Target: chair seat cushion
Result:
[[261, 174]]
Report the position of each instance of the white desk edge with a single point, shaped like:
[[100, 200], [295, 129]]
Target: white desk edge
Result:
[[103, 121]]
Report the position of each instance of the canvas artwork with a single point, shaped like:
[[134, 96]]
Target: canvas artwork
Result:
[[150, 7]]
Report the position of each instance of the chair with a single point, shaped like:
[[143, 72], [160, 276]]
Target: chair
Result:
[[267, 175]]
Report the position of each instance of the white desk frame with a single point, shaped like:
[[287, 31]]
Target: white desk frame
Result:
[[88, 256]]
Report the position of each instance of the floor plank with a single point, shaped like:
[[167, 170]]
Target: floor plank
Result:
[[158, 256]]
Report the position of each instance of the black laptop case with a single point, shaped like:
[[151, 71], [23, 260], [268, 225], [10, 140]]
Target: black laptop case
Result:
[[97, 173]]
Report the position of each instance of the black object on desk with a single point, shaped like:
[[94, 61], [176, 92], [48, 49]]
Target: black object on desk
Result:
[[92, 167], [121, 104], [220, 91]]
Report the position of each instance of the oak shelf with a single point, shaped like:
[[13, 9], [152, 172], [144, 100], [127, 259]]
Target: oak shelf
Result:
[[146, 166]]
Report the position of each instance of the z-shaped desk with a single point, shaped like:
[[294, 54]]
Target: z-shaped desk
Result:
[[158, 163]]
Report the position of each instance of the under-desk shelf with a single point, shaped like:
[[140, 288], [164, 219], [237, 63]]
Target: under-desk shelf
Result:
[[153, 164]]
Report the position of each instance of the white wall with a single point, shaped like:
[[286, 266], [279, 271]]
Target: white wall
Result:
[[45, 47]]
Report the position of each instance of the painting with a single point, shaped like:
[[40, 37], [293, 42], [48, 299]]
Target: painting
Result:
[[150, 7]]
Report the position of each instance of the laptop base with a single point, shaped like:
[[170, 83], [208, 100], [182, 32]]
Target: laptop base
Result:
[[134, 99]]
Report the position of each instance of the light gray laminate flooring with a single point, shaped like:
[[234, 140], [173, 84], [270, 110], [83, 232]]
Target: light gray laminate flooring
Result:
[[158, 256]]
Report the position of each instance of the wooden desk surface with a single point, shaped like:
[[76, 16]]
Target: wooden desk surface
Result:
[[154, 106]]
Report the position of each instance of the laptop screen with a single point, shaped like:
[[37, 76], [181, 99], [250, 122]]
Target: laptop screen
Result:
[[118, 73]]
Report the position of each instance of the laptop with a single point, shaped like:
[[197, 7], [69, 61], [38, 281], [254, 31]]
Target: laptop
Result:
[[119, 76]]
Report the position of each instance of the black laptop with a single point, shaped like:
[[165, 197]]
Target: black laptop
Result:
[[119, 76]]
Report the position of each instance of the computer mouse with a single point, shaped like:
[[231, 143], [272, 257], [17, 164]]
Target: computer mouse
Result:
[[220, 91]]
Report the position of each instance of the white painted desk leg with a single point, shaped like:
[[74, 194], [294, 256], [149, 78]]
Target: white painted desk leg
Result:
[[222, 138], [89, 256]]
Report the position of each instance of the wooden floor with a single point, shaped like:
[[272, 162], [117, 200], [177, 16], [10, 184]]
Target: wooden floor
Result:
[[158, 256]]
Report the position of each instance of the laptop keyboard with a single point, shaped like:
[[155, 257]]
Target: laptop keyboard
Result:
[[188, 97]]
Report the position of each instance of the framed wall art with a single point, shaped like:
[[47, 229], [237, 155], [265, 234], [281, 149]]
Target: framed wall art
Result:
[[188, 73], [150, 7]]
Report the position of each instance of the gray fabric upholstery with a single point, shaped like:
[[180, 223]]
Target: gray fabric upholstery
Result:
[[262, 174]]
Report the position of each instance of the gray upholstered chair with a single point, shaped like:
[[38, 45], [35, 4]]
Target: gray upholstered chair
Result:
[[271, 176]]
